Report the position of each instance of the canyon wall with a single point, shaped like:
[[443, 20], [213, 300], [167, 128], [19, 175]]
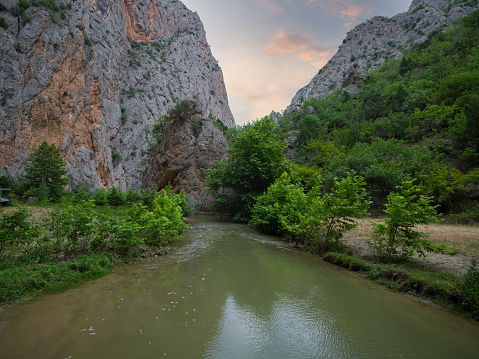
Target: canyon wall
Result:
[[93, 76]]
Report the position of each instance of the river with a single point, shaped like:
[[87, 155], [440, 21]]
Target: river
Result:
[[227, 291]]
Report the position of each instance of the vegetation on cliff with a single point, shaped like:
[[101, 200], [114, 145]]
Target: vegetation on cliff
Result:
[[416, 117]]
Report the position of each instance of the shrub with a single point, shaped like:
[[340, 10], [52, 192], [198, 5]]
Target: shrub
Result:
[[396, 237], [87, 40], [16, 230], [3, 23], [470, 286], [280, 207], [132, 196], [100, 197], [329, 215], [115, 158], [116, 197], [196, 125]]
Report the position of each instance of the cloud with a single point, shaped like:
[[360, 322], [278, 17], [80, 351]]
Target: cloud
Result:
[[270, 5], [350, 10], [284, 43]]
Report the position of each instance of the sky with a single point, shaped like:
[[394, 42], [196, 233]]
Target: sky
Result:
[[269, 49]]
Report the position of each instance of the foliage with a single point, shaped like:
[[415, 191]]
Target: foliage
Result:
[[7, 182], [115, 157], [72, 228], [413, 117], [256, 160], [16, 283], [82, 237], [3, 23], [183, 110], [196, 124], [470, 286], [116, 197], [396, 238], [165, 221], [331, 214], [43, 192], [383, 164], [15, 229], [282, 205], [45, 164], [315, 218], [222, 127]]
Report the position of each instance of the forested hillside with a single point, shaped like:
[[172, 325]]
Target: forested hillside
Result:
[[415, 117]]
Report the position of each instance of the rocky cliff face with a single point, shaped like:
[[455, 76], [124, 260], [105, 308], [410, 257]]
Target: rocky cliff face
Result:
[[92, 76], [186, 148], [373, 42]]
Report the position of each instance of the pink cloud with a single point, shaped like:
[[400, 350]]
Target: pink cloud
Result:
[[284, 43], [351, 10]]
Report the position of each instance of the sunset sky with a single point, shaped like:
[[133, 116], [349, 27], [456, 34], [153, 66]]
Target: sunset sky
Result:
[[269, 49]]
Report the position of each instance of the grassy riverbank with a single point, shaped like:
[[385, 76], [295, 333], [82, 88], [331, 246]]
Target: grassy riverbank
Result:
[[444, 289], [49, 248], [448, 280], [17, 282]]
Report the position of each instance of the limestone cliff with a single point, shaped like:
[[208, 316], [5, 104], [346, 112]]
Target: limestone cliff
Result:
[[92, 76], [186, 148], [373, 42]]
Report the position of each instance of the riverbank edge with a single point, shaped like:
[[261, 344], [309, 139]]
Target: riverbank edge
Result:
[[22, 283], [442, 289]]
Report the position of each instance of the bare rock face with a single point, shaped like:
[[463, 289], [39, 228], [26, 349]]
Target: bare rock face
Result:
[[93, 76], [183, 152], [371, 43]]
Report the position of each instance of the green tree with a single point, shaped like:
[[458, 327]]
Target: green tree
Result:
[[281, 206], [256, 160], [45, 164], [397, 238], [329, 215]]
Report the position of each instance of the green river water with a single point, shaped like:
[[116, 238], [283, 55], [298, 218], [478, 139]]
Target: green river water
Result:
[[227, 291]]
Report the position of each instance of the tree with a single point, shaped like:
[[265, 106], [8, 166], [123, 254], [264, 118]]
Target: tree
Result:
[[281, 206], [256, 160], [45, 164], [331, 214], [396, 237]]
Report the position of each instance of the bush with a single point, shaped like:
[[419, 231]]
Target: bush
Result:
[[329, 215], [72, 228], [100, 197], [396, 237], [16, 230], [132, 196], [3, 23], [147, 197], [116, 197], [280, 207], [470, 286]]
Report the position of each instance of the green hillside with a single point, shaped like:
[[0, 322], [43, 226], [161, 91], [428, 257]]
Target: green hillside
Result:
[[413, 117]]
